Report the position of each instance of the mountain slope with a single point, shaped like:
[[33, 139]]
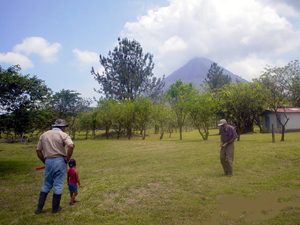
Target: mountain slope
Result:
[[195, 71]]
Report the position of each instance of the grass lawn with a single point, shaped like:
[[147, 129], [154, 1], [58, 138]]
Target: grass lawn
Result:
[[165, 181]]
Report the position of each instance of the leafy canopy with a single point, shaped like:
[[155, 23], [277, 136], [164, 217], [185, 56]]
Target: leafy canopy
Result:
[[215, 77], [22, 99], [178, 96], [127, 73], [18, 91], [68, 103]]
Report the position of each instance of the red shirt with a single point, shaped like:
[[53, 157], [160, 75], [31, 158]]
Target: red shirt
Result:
[[72, 176]]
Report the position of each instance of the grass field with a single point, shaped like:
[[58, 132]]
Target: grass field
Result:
[[161, 182]]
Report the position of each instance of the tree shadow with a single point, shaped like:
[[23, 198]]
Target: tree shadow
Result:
[[8, 167]]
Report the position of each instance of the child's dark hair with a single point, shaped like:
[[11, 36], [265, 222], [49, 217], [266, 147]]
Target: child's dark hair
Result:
[[72, 163]]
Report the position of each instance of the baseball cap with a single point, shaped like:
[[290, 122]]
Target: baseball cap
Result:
[[222, 122]]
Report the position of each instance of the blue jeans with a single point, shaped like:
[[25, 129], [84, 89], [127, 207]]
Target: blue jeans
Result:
[[55, 174]]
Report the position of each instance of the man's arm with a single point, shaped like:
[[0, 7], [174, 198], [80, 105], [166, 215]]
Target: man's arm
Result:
[[70, 152], [221, 143], [40, 155], [227, 143], [232, 140]]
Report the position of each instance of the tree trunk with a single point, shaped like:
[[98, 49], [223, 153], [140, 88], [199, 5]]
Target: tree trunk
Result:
[[106, 131], [201, 133], [273, 134], [161, 135], [282, 133], [129, 133], [180, 131], [206, 133]]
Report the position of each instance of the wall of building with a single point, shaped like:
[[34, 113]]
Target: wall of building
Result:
[[269, 118]]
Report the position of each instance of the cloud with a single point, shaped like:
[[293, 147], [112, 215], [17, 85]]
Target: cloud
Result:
[[286, 8], [174, 43], [39, 46], [15, 58], [250, 67], [32, 45], [86, 59], [223, 31], [291, 3]]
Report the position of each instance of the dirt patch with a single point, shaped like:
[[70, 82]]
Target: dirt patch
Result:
[[266, 206]]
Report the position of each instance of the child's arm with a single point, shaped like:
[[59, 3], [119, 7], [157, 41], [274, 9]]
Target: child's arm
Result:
[[77, 178]]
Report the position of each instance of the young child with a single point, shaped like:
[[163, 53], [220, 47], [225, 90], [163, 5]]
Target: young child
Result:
[[73, 179]]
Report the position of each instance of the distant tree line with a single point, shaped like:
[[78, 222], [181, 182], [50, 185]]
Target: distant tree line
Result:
[[133, 100], [27, 105]]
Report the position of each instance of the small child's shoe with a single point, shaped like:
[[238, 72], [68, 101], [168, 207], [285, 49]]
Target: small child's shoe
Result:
[[75, 201], [71, 203]]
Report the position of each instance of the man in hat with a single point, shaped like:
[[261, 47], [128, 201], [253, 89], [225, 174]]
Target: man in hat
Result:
[[51, 151], [228, 136]]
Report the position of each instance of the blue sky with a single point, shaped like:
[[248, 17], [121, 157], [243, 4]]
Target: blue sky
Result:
[[59, 41]]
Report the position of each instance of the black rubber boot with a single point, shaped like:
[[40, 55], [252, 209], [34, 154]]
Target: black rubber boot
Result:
[[41, 203], [55, 203]]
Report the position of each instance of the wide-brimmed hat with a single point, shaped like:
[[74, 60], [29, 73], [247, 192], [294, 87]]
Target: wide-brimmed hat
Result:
[[60, 123], [222, 122]]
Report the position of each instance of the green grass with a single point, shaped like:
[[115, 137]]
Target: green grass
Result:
[[159, 182]]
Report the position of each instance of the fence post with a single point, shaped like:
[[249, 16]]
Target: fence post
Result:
[[273, 134]]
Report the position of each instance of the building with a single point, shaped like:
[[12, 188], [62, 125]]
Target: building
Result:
[[269, 118]]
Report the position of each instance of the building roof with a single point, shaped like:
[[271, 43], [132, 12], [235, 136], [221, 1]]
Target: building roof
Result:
[[288, 110], [282, 110]]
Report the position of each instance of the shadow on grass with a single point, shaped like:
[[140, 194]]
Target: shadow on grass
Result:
[[14, 167]]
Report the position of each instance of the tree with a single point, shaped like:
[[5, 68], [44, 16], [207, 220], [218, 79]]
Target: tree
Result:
[[85, 123], [202, 109], [275, 92], [241, 103], [164, 116], [295, 91], [215, 77], [127, 116], [123, 117], [43, 118], [18, 91], [127, 73], [292, 82], [178, 96], [105, 114], [143, 108], [68, 104], [20, 99]]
